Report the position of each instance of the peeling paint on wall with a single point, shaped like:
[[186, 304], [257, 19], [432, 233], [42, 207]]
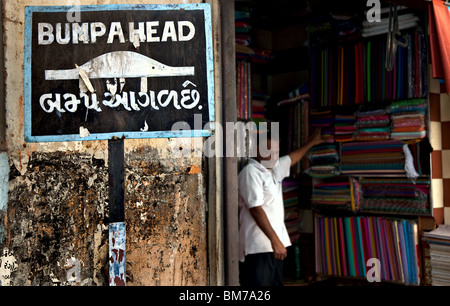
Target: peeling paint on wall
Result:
[[58, 210], [73, 267], [8, 264], [165, 217]]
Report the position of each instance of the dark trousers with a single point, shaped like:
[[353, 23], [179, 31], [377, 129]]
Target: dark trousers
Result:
[[261, 269]]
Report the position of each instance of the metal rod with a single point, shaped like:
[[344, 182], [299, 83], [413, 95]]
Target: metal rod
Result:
[[117, 232], [116, 180]]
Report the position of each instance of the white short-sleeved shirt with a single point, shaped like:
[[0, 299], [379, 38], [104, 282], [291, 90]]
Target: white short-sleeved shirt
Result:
[[259, 186]]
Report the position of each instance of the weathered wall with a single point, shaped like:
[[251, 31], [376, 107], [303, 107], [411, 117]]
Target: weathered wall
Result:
[[54, 227], [165, 218], [57, 218]]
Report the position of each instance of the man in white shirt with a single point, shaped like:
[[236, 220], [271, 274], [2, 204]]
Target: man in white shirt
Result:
[[263, 237]]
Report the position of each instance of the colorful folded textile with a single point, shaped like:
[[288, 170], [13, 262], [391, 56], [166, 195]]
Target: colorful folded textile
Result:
[[405, 129], [376, 112], [408, 119], [344, 245], [336, 195], [323, 154], [408, 106], [328, 134], [410, 135], [372, 125], [258, 105], [344, 127], [242, 21], [324, 171], [291, 208], [372, 134], [321, 118], [372, 121], [350, 73], [372, 157], [395, 195], [324, 160], [243, 39]]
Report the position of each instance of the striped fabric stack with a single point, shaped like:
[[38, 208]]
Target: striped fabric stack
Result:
[[331, 195], [336, 195], [291, 208], [372, 125], [242, 28], [408, 119], [324, 160], [344, 127], [373, 158], [395, 195], [323, 119]]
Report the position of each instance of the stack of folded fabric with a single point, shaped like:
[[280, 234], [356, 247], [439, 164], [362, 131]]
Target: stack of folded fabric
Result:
[[291, 208], [408, 119], [259, 106], [344, 127], [323, 119], [373, 157], [324, 161], [372, 125], [243, 35], [331, 195], [395, 195], [260, 56], [245, 50], [336, 195], [242, 27]]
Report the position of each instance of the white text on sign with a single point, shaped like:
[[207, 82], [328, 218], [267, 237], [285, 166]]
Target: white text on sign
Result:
[[90, 32]]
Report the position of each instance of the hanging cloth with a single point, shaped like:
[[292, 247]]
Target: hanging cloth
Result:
[[439, 21], [411, 172]]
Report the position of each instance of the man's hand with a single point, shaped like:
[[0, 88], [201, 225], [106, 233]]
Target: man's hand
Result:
[[317, 138], [279, 251], [299, 153]]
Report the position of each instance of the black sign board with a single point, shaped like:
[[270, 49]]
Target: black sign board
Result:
[[119, 71]]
